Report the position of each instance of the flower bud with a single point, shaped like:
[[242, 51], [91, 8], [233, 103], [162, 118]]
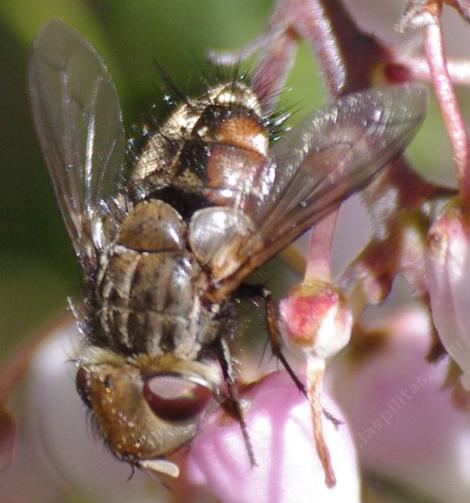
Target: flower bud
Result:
[[317, 318], [448, 272]]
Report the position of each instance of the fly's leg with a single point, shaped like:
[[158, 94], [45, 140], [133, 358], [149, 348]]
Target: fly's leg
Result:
[[315, 373], [232, 403], [272, 325]]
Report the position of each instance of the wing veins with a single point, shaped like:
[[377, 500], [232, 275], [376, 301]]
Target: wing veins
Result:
[[72, 96]]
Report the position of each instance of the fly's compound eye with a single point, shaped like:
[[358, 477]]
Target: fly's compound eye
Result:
[[174, 398], [83, 386]]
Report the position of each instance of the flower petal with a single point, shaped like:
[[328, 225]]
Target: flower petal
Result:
[[288, 468]]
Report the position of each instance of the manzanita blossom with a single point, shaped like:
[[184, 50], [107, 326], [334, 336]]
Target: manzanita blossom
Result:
[[287, 468], [448, 270]]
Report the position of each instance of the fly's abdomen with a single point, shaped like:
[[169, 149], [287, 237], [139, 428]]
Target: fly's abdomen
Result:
[[214, 147]]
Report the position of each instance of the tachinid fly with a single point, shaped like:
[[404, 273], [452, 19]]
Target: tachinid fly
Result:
[[166, 249]]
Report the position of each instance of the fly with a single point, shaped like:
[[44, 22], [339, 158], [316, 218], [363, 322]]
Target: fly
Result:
[[166, 249]]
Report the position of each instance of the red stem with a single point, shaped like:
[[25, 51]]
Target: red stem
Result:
[[455, 126], [458, 69], [319, 249]]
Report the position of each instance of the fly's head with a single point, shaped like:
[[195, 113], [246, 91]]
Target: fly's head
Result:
[[146, 407]]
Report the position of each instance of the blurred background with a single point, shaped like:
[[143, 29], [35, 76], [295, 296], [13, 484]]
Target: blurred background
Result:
[[37, 266]]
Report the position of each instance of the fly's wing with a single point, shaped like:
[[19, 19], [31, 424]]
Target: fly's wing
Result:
[[319, 163], [78, 120], [332, 154]]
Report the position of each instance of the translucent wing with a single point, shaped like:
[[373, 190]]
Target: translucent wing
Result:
[[78, 119], [333, 154], [319, 163]]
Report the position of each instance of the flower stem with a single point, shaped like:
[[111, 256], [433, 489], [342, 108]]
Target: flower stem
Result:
[[451, 114]]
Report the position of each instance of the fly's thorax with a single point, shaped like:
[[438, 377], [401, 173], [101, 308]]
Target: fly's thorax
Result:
[[211, 147], [153, 226], [148, 289], [145, 407]]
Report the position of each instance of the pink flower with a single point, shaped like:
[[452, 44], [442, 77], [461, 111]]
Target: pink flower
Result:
[[317, 318], [448, 270], [288, 469]]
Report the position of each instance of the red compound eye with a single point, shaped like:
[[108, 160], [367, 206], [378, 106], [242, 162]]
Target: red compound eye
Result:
[[82, 383], [175, 398]]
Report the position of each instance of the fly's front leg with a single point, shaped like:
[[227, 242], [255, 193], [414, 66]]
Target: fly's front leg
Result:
[[272, 325], [232, 403]]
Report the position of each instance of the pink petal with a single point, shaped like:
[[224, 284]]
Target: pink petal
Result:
[[288, 469]]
